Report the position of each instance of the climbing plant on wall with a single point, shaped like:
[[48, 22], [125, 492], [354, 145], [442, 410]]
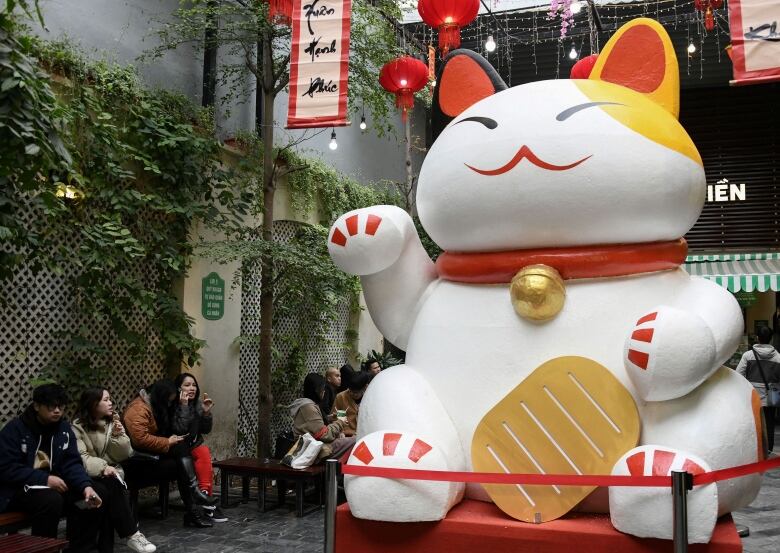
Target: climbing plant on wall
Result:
[[124, 171]]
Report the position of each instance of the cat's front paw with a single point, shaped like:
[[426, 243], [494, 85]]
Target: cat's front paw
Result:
[[368, 240], [648, 512], [668, 353], [396, 500]]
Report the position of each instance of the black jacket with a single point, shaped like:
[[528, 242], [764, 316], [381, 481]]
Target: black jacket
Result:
[[189, 419], [19, 441]]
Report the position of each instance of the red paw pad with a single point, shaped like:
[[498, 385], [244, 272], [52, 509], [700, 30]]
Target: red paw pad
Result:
[[338, 238], [643, 335], [646, 318], [639, 358], [662, 460], [363, 453], [636, 464], [372, 224], [389, 443], [419, 448], [352, 225]]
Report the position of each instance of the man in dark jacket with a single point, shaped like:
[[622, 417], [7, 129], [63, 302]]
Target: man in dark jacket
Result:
[[41, 472]]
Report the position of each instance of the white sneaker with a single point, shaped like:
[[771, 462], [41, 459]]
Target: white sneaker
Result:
[[138, 543]]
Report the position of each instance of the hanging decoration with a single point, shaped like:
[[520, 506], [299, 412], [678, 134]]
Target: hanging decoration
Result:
[[403, 77], [319, 65], [448, 17], [567, 16], [755, 41], [707, 7], [431, 68], [582, 69], [280, 11]]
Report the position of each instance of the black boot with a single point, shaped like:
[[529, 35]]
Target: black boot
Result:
[[194, 517], [188, 470]]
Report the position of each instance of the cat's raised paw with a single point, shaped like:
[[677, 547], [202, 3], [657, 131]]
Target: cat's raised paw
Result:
[[368, 240]]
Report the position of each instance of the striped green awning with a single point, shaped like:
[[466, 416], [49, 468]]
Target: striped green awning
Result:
[[730, 256], [745, 274]]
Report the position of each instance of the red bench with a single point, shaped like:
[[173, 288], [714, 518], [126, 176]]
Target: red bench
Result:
[[13, 521], [22, 543]]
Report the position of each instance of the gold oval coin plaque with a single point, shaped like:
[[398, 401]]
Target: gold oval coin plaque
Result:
[[570, 416]]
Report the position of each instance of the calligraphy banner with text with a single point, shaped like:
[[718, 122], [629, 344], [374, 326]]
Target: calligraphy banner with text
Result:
[[319, 64], [755, 40]]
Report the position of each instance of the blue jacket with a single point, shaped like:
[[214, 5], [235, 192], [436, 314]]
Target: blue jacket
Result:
[[20, 439]]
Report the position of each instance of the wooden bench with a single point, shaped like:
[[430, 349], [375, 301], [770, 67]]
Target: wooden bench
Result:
[[13, 521], [22, 543], [270, 469]]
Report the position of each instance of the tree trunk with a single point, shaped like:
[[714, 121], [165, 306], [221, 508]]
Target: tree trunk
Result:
[[409, 173], [265, 394]]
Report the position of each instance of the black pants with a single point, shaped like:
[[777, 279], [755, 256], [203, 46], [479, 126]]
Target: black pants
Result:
[[142, 472], [46, 507], [769, 419], [119, 516]]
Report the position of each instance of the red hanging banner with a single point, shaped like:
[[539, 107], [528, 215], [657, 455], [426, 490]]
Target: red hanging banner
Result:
[[755, 40], [319, 64]]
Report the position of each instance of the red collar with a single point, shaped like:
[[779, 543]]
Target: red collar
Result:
[[571, 263]]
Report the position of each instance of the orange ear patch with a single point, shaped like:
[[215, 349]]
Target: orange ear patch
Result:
[[463, 84], [640, 56], [637, 61]]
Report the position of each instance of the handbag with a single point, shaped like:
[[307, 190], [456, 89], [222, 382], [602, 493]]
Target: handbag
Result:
[[303, 453], [772, 390]]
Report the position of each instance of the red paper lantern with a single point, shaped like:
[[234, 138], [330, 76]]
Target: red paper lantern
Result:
[[707, 7], [403, 77], [448, 16], [582, 69], [280, 11]]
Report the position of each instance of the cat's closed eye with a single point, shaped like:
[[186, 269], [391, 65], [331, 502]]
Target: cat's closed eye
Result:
[[565, 114], [487, 121]]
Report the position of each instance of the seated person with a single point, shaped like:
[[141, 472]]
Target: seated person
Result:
[[347, 372], [193, 420], [333, 381], [307, 418], [103, 444], [41, 472], [348, 401], [371, 366], [148, 420]]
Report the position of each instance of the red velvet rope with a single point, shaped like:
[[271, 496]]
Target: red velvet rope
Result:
[[559, 479]]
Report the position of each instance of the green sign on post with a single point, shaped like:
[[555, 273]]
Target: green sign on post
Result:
[[213, 300]]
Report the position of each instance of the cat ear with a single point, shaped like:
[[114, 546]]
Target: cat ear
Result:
[[464, 79], [640, 56]]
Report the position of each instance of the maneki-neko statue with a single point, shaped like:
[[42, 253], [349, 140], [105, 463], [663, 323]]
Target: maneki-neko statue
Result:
[[557, 332]]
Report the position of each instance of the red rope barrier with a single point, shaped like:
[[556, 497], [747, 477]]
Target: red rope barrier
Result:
[[558, 479]]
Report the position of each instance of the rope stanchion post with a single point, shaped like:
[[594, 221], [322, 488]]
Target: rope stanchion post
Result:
[[682, 482], [331, 498]]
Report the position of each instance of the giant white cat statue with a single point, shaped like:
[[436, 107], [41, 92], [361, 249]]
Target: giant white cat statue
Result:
[[597, 180]]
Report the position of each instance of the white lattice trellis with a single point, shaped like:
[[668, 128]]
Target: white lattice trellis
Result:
[[331, 353], [40, 312]]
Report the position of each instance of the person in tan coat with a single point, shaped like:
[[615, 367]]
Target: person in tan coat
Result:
[[307, 419], [103, 444]]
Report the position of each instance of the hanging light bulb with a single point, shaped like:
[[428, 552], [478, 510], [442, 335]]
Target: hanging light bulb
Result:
[[490, 44], [691, 48], [573, 54], [333, 144], [575, 7], [363, 124]]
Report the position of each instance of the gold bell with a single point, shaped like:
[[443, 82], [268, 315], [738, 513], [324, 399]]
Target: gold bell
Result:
[[537, 292]]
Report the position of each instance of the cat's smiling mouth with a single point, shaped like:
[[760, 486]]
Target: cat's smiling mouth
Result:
[[525, 153]]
